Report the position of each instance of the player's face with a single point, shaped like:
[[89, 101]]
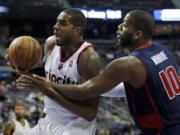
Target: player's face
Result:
[[63, 29], [125, 32], [20, 111]]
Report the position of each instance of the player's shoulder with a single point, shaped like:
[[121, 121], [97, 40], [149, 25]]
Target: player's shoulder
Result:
[[90, 54], [50, 42], [129, 60], [11, 124], [89, 63], [51, 39], [129, 63]]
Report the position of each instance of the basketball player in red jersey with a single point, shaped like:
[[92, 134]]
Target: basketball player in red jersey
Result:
[[19, 125]]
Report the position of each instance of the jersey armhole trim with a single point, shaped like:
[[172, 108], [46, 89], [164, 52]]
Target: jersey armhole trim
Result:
[[82, 52], [52, 48]]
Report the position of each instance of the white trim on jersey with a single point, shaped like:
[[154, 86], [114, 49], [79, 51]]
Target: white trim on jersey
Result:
[[118, 91]]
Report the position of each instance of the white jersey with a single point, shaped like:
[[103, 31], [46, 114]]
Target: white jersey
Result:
[[62, 73], [19, 128]]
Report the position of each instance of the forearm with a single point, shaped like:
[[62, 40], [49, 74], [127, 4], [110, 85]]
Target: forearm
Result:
[[82, 109], [74, 92], [87, 90]]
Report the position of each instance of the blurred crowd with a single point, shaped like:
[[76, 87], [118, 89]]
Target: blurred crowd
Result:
[[113, 4], [113, 117], [10, 95], [166, 33], [122, 4]]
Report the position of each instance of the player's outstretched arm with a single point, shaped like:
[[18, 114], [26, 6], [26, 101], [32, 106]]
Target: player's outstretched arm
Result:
[[127, 69]]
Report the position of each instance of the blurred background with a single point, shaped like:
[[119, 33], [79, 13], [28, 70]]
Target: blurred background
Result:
[[36, 18]]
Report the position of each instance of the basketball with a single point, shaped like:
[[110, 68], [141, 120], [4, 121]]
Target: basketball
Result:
[[24, 53]]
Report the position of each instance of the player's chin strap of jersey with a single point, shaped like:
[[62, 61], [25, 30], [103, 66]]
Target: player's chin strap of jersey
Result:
[[118, 91]]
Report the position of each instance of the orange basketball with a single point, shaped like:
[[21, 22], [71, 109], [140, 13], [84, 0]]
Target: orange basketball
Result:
[[24, 52]]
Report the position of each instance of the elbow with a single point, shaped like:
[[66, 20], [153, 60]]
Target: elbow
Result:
[[80, 98], [91, 115]]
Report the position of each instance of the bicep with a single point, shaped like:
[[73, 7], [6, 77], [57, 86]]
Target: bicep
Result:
[[88, 64], [115, 73]]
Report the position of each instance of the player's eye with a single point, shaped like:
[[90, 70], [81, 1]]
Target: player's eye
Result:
[[63, 22]]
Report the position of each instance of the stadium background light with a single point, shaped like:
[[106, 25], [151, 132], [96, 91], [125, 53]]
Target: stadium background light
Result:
[[3, 9], [167, 15], [105, 14]]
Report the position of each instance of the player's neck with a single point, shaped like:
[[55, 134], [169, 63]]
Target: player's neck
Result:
[[21, 120], [140, 43], [69, 49]]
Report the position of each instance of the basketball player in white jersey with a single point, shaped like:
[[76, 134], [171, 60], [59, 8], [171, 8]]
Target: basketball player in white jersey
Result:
[[69, 60], [19, 125]]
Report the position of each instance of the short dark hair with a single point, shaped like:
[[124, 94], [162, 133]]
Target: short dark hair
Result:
[[77, 18], [143, 21]]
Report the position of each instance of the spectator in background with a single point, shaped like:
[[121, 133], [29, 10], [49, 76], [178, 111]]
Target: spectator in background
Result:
[[3, 86], [19, 125]]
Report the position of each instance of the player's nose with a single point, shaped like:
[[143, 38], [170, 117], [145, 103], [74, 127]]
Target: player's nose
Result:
[[120, 26]]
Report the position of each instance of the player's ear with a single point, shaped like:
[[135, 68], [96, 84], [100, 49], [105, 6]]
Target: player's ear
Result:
[[137, 35], [78, 29]]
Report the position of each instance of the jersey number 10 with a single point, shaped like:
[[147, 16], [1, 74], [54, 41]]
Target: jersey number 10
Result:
[[170, 81]]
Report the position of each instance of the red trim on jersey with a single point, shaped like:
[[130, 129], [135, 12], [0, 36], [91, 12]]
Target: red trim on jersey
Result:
[[150, 121], [73, 52], [52, 48], [157, 120], [82, 51], [59, 54], [144, 46]]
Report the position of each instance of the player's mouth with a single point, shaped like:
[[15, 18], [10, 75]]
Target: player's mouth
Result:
[[118, 35], [58, 36]]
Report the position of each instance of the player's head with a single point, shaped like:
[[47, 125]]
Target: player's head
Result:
[[19, 110], [70, 24], [137, 26]]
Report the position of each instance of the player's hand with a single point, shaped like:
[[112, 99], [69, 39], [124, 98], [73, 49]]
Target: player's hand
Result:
[[34, 81], [21, 72]]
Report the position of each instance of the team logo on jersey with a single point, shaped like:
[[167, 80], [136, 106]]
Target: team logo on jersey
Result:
[[70, 63], [60, 66], [60, 80]]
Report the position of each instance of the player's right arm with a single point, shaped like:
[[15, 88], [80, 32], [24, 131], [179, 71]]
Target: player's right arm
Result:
[[9, 129], [127, 69]]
